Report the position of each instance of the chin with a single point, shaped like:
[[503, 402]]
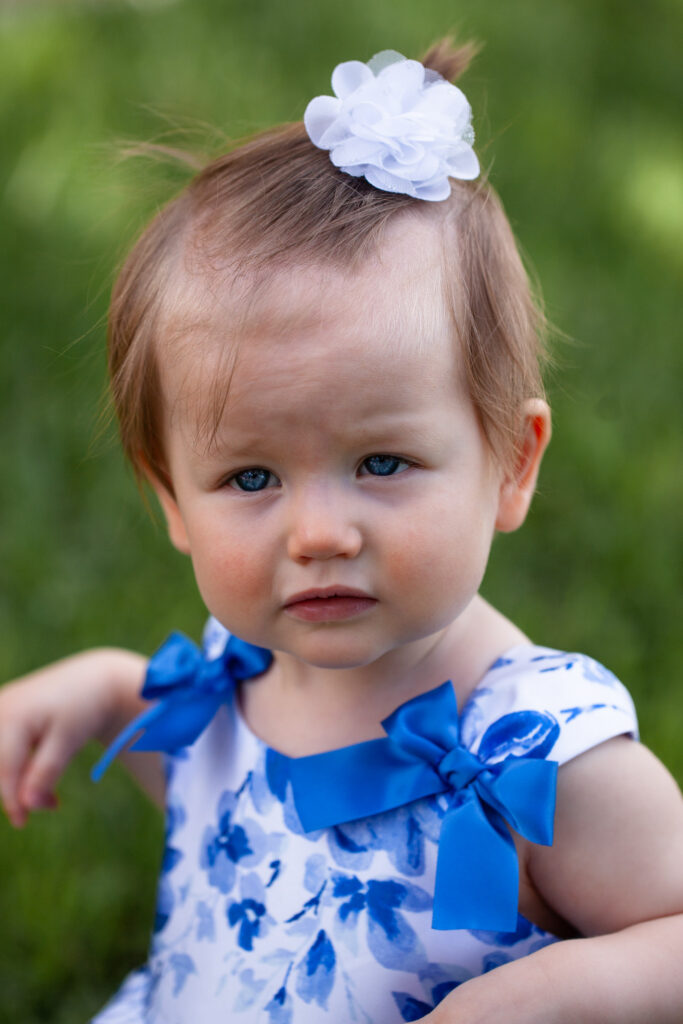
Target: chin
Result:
[[334, 652]]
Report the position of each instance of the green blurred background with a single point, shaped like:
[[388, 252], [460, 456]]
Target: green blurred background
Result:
[[577, 106]]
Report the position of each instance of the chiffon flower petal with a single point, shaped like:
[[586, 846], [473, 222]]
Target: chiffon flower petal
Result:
[[320, 114], [349, 76]]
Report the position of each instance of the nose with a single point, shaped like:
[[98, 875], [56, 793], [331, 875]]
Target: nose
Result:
[[321, 525]]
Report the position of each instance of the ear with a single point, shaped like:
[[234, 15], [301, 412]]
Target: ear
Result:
[[517, 489], [172, 514]]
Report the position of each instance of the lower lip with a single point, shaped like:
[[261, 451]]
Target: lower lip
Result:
[[330, 609]]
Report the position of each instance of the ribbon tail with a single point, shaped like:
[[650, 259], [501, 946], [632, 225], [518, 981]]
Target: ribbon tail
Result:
[[180, 721], [477, 875], [170, 725], [123, 739]]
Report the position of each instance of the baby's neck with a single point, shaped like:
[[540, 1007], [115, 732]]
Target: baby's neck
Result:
[[301, 709]]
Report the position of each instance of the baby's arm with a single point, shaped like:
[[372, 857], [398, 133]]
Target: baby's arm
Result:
[[614, 872], [47, 716]]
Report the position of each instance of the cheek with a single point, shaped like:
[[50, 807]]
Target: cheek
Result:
[[229, 574], [415, 554], [442, 552]]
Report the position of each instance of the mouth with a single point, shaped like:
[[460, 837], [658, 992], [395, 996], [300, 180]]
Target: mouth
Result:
[[329, 604]]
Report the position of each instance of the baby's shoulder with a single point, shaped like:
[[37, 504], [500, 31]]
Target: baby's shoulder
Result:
[[540, 702]]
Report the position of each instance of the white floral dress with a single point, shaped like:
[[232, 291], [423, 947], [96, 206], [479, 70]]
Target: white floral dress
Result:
[[260, 923]]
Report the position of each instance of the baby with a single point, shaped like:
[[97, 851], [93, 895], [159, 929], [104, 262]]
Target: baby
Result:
[[324, 358]]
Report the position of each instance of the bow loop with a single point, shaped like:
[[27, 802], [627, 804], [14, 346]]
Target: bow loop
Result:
[[426, 726], [175, 664], [242, 660]]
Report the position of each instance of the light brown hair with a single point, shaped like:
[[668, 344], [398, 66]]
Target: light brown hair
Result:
[[277, 199]]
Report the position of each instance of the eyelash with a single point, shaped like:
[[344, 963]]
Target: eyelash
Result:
[[232, 481]]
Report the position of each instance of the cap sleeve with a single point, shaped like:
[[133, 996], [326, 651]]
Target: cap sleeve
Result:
[[539, 702]]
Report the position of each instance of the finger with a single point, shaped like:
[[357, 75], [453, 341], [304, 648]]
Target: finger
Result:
[[49, 760], [15, 750], [41, 802]]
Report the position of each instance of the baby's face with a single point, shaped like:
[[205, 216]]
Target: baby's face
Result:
[[347, 503]]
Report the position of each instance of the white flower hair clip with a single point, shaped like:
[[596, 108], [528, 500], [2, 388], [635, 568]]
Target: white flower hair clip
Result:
[[399, 125]]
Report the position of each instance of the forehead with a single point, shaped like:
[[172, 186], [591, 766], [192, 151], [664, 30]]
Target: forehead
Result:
[[299, 333]]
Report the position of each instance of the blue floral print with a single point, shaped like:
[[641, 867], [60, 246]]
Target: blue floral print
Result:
[[206, 926], [250, 911], [411, 1008], [226, 844], [401, 835], [391, 939], [175, 818], [315, 973], [181, 965], [520, 734], [280, 1008], [591, 669]]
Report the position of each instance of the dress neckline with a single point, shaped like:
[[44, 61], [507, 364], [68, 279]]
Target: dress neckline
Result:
[[508, 656]]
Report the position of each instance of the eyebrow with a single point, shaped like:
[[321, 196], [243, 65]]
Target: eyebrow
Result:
[[397, 431]]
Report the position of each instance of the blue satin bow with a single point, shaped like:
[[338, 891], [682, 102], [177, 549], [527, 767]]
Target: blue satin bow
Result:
[[191, 689], [477, 875]]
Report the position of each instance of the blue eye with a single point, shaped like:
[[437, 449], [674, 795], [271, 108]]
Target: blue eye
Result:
[[383, 465], [255, 479]]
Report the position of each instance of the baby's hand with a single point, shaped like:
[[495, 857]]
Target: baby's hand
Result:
[[47, 716]]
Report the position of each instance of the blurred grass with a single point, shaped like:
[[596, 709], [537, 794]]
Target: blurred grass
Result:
[[577, 109]]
